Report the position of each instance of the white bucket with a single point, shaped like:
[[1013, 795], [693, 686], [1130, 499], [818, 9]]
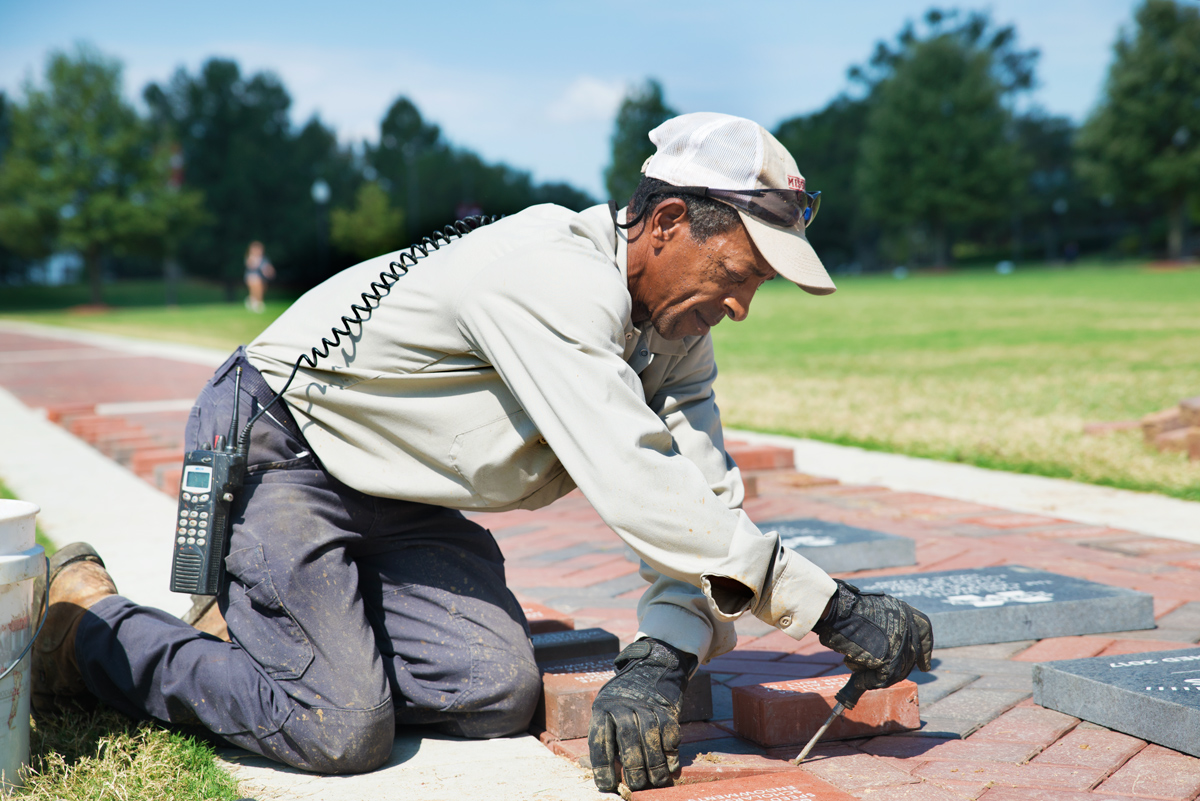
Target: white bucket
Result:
[[21, 561]]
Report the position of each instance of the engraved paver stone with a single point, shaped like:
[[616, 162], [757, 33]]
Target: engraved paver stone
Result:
[[1154, 696], [1003, 604], [838, 548], [570, 687], [555, 646]]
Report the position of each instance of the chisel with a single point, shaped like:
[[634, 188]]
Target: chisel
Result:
[[846, 698]]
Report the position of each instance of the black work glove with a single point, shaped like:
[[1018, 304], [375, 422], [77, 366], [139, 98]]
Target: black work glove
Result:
[[882, 638], [636, 716]]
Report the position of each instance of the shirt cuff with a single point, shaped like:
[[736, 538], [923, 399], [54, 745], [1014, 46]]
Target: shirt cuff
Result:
[[797, 597], [683, 629]]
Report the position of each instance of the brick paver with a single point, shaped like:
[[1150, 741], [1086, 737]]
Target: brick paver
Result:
[[982, 736]]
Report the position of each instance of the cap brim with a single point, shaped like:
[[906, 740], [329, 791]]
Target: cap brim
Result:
[[789, 253]]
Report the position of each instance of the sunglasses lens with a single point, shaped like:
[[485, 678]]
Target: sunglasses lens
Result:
[[776, 209]]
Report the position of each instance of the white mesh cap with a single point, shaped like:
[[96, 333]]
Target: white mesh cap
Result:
[[720, 151]]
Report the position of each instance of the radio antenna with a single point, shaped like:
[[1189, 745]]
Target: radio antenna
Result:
[[237, 396]]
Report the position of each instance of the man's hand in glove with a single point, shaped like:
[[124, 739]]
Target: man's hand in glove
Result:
[[636, 716], [882, 637]]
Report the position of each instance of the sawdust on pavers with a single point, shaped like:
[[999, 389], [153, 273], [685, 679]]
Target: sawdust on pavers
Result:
[[431, 768]]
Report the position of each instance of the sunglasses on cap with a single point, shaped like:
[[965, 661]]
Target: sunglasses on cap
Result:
[[782, 207]]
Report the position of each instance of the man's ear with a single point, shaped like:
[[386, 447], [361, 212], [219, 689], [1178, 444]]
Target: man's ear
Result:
[[668, 221]]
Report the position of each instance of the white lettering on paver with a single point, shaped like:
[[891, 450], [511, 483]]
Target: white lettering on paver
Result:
[[805, 685], [1135, 663], [1190, 658], [1001, 598], [953, 586]]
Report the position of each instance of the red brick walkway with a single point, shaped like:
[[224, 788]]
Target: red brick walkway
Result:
[[1005, 748]]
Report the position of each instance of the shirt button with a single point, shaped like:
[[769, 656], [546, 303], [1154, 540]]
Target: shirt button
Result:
[[785, 621], [542, 440], [645, 352], [628, 337]]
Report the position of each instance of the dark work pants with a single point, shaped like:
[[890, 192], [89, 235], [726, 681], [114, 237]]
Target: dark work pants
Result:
[[349, 614]]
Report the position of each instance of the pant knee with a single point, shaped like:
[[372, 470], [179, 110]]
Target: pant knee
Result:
[[515, 689], [342, 741]]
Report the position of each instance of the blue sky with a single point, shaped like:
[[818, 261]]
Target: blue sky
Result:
[[536, 84]]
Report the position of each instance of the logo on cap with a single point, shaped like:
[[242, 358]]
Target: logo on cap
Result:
[[795, 182]]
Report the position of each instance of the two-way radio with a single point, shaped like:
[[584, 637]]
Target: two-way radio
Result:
[[212, 478]]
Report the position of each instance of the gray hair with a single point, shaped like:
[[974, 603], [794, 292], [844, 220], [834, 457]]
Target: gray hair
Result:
[[706, 216]]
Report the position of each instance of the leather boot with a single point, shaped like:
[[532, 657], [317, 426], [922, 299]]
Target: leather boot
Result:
[[77, 581], [206, 616]]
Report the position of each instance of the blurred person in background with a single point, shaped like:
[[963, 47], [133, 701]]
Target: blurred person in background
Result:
[[258, 271]]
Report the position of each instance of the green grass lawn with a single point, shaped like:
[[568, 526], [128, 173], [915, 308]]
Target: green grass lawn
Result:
[[991, 370], [101, 755], [970, 366]]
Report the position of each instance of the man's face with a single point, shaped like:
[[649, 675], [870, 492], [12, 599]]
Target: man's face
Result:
[[683, 287]]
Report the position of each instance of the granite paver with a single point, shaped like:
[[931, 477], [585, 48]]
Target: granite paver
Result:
[[982, 737]]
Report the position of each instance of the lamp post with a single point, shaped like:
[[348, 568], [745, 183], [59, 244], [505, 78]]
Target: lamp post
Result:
[[320, 196]]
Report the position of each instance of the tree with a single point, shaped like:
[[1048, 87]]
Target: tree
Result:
[[372, 227], [826, 147], [1143, 141], [84, 173], [434, 183], [642, 110], [239, 147], [938, 151]]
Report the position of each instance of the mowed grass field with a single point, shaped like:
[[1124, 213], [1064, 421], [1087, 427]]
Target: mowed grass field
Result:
[[974, 367], [996, 371]]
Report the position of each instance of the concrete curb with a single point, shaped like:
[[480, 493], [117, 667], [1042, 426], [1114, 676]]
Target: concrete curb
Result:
[[1143, 512], [86, 496], [432, 768]]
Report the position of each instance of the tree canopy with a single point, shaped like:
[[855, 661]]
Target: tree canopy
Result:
[[1142, 144], [83, 172], [937, 151], [642, 110]]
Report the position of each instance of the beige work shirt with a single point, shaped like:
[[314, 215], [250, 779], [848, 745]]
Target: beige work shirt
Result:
[[503, 371]]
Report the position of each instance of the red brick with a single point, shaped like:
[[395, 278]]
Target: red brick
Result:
[[790, 712], [1004, 775], [775, 641], [858, 771], [929, 748], [760, 457], [568, 690], [791, 786], [968, 790], [606, 572], [1138, 646], [62, 412], [571, 749], [543, 619], [801, 480], [145, 461], [1031, 724], [1031, 794], [699, 730], [1053, 648], [925, 791], [729, 758], [1105, 750], [1164, 606], [1013, 521], [1157, 772]]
